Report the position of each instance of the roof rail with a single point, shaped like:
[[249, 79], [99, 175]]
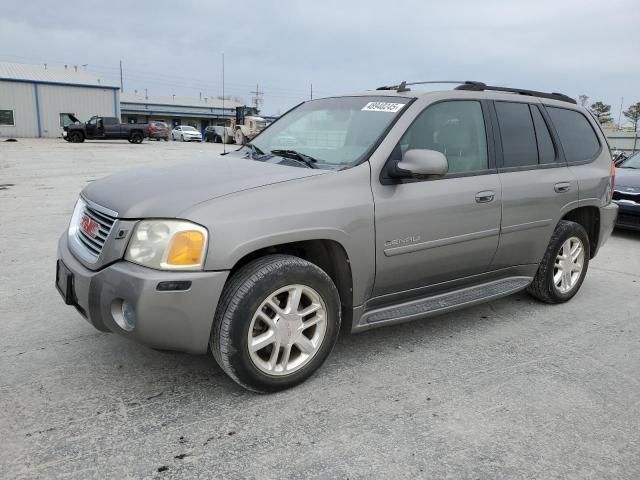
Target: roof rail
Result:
[[480, 86]]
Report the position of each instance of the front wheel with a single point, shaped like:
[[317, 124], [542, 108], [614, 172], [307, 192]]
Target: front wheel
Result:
[[564, 265], [276, 323], [239, 137], [76, 137]]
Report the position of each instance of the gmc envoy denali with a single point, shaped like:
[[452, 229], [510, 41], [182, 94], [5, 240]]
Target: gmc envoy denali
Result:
[[362, 210]]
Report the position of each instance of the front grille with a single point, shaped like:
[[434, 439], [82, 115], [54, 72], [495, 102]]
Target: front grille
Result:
[[105, 223], [627, 219], [631, 197]]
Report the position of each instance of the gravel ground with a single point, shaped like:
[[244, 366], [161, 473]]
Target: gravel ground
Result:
[[510, 389]]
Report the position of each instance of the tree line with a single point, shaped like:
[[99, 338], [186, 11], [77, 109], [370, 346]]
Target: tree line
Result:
[[602, 111]]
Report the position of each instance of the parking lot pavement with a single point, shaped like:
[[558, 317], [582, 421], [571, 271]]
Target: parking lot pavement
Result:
[[510, 389]]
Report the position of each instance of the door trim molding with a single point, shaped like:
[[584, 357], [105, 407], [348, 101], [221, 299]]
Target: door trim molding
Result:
[[527, 226], [416, 247]]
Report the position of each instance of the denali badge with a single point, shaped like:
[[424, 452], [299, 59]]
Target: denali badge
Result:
[[89, 226], [402, 241]]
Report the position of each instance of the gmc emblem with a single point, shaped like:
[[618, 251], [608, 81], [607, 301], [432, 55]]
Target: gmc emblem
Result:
[[89, 226]]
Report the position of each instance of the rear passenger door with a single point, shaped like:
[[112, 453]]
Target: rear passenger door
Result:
[[536, 183]]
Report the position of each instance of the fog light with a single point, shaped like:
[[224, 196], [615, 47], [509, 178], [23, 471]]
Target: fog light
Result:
[[124, 315]]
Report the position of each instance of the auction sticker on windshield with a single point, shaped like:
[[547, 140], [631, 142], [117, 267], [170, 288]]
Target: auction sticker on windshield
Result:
[[382, 107]]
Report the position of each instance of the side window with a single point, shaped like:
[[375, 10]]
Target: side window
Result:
[[546, 150], [578, 139], [519, 146], [455, 128]]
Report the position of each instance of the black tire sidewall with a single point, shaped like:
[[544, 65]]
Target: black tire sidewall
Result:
[[295, 273], [571, 229]]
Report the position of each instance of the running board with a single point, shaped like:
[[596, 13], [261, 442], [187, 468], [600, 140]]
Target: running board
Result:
[[445, 302]]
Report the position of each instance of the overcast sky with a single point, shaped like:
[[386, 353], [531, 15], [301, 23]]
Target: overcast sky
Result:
[[570, 46]]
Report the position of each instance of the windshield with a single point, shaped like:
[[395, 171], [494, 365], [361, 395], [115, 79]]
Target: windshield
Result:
[[188, 129], [337, 132], [632, 162]]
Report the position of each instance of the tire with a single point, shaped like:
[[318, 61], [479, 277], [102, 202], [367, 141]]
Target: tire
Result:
[[157, 139], [182, 137], [76, 137], [239, 137], [166, 139], [545, 285], [136, 137], [242, 310]]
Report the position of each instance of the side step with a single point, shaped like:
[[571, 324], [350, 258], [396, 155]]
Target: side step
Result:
[[445, 302]]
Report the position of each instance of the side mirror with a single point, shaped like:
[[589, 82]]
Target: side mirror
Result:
[[421, 163]]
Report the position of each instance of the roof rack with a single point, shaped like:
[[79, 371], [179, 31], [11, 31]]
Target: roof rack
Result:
[[480, 86]]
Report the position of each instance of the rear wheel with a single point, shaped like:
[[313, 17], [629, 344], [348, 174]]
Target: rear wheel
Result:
[[276, 323], [136, 137], [564, 265]]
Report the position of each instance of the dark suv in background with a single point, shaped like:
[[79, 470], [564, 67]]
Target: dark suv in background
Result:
[[214, 133]]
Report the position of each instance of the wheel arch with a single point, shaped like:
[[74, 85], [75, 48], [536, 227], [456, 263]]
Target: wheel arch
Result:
[[327, 254], [589, 218]]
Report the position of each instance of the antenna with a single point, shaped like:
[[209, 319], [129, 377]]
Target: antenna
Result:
[[257, 98]]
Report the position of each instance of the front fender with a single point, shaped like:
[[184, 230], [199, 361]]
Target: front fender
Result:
[[337, 206]]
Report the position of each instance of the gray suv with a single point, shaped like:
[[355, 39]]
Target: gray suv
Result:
[[362, 211]]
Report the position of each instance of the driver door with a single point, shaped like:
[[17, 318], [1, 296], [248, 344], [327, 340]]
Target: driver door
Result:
[[430, 231]]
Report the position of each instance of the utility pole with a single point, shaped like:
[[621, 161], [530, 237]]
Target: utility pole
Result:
[[311, 95], [257, 97], [121, 83], [620, 113], [224, 132]]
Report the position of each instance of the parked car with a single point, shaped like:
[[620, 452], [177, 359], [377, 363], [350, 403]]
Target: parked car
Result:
[[104, 128], [186, 133], [627, 193], [214, 133], [382, 208], [159, 131]]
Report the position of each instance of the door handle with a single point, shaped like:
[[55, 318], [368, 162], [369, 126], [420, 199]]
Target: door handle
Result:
[[562, 187], [485, 196]]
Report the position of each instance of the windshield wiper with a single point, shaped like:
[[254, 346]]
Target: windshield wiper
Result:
[[254, 149], [304, 158]]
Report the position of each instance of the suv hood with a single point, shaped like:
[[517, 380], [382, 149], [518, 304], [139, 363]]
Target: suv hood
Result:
[[166, 192]]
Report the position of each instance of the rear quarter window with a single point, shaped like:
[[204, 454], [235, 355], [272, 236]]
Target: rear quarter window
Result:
[[579, 141]]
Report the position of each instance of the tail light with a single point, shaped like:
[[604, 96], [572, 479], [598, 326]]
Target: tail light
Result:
[[612, 176]]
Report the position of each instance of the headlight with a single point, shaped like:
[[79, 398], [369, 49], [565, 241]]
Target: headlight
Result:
[[168, 245]]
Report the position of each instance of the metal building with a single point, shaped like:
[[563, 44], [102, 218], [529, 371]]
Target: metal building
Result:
[[35, 100], [199, 113]]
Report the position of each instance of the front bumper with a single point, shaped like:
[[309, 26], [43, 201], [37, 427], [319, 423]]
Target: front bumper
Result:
[[628, 215], [171, 320]]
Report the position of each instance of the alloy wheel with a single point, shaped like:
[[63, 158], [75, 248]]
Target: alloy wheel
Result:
[[568, 265], [287, 330]]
